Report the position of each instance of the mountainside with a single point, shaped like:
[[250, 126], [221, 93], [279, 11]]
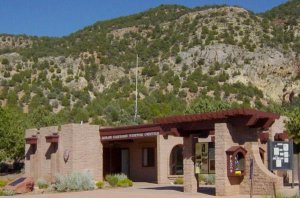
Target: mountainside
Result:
[[225, 55]]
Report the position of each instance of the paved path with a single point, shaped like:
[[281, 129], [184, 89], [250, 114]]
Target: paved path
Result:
[[139, 190], [143, 190]]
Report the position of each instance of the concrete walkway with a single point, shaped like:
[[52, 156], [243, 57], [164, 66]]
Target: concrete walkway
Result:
[[145, 190], [139, 190]]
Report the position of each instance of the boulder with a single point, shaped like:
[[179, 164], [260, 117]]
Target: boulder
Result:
[[21, 185]]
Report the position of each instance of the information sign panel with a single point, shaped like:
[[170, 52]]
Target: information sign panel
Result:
[[280, 155]]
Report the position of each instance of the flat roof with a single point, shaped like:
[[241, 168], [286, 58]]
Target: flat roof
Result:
[[215, 115], [182, 124]]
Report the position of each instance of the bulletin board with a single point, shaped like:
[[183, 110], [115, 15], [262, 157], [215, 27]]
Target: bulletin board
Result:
[[280, 155]]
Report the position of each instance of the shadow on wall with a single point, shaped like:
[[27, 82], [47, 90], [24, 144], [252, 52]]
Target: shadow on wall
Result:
[[30, 151], [241, 134], [52, 149]]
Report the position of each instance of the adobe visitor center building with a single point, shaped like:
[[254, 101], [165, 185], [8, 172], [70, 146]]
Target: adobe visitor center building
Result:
[[220, 143]]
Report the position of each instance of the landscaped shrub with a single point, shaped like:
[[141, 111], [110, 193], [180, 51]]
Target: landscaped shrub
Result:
[[75, 182], [124, 183], [210, 179], [120, 180], [179, 180], [207, 178], [112, 180], [7, 192], [3, 183], [42, 184], [100, 184]]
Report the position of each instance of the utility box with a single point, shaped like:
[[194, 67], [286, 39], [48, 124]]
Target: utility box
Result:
[[236, 162]]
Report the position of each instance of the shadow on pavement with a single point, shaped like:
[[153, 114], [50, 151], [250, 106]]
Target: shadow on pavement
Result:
[[205, 190], [172, 188]]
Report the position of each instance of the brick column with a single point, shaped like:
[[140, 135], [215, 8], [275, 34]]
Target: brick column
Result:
[[190, 181], [159, 157], [223, 140]]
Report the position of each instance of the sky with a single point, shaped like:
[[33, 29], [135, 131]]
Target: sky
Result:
[[62, 17]]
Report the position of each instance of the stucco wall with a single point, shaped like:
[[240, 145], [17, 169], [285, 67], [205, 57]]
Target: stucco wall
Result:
[[164, 148], [82, 142], [226, 136], [31, 157]]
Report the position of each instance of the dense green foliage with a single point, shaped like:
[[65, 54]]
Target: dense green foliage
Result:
[[293, 124], [12, 130], [289, 11]]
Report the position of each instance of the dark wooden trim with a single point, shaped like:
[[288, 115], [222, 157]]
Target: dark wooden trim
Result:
[[183, 125], [233, 151], [217, 115], [264, 137], [52, 138], [31, 140], [281, 136]]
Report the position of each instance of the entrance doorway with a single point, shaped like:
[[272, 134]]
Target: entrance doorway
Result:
[[125, 161], [116, 160]]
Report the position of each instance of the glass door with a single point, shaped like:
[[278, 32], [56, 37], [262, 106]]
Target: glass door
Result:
[[125, 161]]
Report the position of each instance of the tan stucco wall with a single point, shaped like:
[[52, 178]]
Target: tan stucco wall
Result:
[[226, 136], [164, 148], [81, 140]]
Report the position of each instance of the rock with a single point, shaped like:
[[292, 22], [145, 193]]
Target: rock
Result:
[[21, 185]]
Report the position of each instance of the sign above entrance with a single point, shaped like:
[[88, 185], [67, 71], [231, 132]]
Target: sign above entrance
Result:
[[129, 136]]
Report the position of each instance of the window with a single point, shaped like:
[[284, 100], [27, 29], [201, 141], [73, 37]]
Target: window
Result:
[[176, 161], [148, 157], [205, 157], [239, 162]]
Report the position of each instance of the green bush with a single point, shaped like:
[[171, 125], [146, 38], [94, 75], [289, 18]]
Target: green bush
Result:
[[100, 184], [118, 180], [210, 179], [3, 183], [179, 180], [7, 192], [207, 178], [124, 183], [112, 180], [201, 178], [5, 61], [178, 60], [75, 182], [42, 184]]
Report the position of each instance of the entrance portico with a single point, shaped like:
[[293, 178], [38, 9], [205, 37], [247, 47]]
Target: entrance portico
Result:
[[230, 129], [218, 143]]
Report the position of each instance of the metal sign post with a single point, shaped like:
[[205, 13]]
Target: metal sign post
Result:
[[251, 177]]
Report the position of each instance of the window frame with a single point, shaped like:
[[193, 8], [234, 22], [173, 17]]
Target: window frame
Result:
[[143, 157]]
